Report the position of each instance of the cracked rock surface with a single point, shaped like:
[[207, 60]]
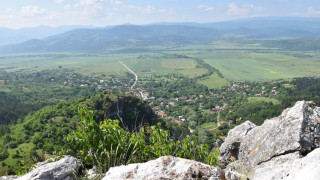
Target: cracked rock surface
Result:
[[291, 136], [166, 167], [63, 169]]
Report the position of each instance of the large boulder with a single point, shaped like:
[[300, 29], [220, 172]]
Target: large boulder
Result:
[[230, 148], [64, 169], [166, 167], [297, 129], [280, 142], [290, 167]]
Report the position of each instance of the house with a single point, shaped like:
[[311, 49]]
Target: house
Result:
[[2, 81], [201, 96], [215, 109], [225, 105], [157, 108], [239, 119], [161, 113], [182, 98], [201, 105], [189, 101], [224, 122], [175, 120]]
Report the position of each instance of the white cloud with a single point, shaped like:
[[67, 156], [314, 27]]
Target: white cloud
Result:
[[29, 11], [149, 9], [235, 10], [133, 7], [60, 1], [115, 2], [205, 7], [313, 12], [89, 2]]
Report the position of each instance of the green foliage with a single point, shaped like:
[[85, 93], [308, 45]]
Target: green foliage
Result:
[[107, 145], [24, 167], [4, 154]]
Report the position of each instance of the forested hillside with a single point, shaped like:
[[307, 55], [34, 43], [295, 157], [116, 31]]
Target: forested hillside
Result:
[[43, 132]]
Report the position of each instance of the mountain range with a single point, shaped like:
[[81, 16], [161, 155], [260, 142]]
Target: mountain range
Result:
[[91, 39]]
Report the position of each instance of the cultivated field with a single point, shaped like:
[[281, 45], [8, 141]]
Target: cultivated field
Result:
[[253, 62], [235, 61]]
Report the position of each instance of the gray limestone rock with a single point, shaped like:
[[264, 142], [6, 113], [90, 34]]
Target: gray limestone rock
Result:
[[63, 169], [94, 173], [230, 148], [9, 177], [284, 147], [166, 167], [290, 167], [296, 129]]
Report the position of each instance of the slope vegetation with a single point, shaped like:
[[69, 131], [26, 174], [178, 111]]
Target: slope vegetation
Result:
[[43, 132]]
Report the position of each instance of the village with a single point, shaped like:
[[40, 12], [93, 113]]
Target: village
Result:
[[179, 105]]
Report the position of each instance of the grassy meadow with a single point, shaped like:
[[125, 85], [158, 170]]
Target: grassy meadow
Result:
[[236, 61], [263, 99], [214, 81], [253, 62]]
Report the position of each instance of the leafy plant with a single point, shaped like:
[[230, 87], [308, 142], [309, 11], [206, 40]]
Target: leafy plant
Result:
[[24, 167], [107, 145]]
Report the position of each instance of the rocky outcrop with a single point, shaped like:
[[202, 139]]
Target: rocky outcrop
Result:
[[230, 148], [290, 166], [166, 167], [9, 177], [63, 169], [285, 147], [277, 142]]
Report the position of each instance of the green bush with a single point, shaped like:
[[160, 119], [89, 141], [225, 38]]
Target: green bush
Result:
[[4, 154], [107, 145]]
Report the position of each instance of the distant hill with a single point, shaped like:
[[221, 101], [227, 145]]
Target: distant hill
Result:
[[166, 34], [118, 36], [263, 27], [270, 27], [11, 36]]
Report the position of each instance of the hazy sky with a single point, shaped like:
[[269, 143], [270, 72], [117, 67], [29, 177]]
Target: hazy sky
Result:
[[29, 13]]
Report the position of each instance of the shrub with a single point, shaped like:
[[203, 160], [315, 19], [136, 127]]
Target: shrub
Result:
[[107, 145]]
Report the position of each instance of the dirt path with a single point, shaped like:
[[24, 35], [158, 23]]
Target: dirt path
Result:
[[136, 77], [132, 73]]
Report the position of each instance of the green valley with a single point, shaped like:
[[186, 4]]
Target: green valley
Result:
[[153, 89]]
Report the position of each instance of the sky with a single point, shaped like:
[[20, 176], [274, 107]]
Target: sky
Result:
[[30, 13]]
